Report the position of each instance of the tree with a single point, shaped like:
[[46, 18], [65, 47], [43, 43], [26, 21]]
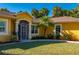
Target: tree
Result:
[[35, 13], [66, 12], [20, 11], [39, 13], [45, 23], [57, 11], [4, 9], [44, 12], [77, 8], [76, 12]]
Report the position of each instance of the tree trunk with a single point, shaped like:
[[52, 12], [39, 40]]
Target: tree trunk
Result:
[[45, 32]]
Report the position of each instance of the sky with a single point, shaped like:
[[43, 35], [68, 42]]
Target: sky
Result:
[[16, 7]]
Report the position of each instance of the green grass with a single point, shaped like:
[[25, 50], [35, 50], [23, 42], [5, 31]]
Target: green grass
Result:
[[40, 48]]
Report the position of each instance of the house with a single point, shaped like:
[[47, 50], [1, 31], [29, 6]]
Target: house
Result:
[[11, 24], [24, 26], [67, 25]]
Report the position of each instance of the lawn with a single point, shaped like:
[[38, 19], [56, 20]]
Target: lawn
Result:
[[40, 48]]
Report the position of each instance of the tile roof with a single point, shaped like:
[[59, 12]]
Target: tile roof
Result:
[[59, 19], [7, 14], [64, 19]]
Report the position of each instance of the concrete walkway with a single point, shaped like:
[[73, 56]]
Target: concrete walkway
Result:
[[52, 41], [41, 40], [73, 42]]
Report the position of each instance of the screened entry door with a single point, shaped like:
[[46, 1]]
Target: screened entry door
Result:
[[23, 30], [57, 31]]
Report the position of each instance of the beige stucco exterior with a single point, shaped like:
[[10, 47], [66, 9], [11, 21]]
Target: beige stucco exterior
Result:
[[11, 26], [25, 17], [68, 26], [6, 36]]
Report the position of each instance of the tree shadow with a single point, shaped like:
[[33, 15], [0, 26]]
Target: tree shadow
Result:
[[27, 45]]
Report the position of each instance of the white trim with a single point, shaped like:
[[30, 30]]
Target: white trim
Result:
[[6, 29], [55, 29], [35, 34], [30, 36], [17, 22]]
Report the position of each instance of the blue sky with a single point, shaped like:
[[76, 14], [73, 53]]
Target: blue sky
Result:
[[16, 7]]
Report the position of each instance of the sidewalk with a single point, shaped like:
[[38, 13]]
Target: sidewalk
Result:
[[72, 41]]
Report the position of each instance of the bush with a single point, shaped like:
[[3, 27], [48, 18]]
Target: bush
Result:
[[67, 36], [57, 36], [38, 37], [43, 37], [50, 36], [14, 37]]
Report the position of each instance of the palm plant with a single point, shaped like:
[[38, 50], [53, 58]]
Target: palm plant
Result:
[[4, 9], [45, 23], [76, 12], [35, 13], [57, 11], [44, 12], [39, 13]]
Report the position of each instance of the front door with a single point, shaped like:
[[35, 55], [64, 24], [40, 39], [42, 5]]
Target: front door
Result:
[[23, 31], [57, 31]]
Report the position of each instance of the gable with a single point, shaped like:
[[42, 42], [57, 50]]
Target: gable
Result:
[[24, 16]]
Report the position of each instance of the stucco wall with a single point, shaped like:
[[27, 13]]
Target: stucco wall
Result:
[[6, 37], [24, 16], [12, 25], [49, 30], [67, 28], [72, 29]]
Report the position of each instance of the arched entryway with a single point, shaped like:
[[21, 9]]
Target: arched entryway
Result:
[[23, 30]]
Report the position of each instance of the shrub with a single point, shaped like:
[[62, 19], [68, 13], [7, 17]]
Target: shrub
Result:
[[57, 36], [14, 38], [67, 36], [38, 37], [50, 36]]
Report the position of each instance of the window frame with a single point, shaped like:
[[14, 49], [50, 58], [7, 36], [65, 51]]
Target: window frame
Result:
[[37, 30], [6, 26], [55, 29], [3, 26]]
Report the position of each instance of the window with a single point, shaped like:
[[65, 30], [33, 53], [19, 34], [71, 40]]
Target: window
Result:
[[58, 28], [2, 26], [34, 29]]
